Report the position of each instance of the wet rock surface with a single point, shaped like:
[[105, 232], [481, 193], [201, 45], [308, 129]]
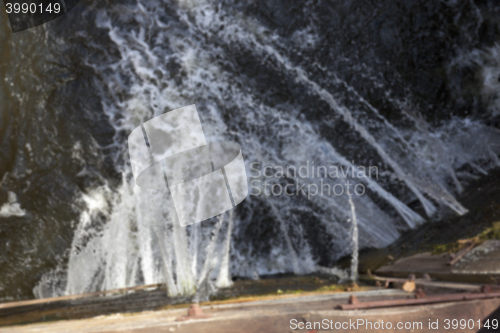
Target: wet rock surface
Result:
[[483, 259]]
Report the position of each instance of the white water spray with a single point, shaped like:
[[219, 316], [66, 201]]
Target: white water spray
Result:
[[354, 240], [138, 243]]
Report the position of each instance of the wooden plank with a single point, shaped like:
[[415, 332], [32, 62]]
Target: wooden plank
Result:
[[427, 283], [78, 296]]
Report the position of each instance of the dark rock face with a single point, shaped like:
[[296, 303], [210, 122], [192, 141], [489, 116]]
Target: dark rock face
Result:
[[408, 86]]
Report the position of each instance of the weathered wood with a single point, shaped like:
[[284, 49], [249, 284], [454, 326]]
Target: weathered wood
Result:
[[78, 296], [418, 301], [427, 283], [462, 253]]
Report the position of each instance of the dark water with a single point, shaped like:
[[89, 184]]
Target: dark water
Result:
[[412, 87]]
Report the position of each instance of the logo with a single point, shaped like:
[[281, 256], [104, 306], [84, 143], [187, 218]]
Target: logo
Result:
[[205, 179], [26, 14]]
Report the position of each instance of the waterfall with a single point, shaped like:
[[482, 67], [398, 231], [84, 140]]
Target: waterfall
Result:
[[224, 277], [158, 249], [354, 240], [287, 101]]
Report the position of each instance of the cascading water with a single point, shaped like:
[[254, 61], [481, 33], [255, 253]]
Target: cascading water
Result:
[[355, 241], [310, 85]]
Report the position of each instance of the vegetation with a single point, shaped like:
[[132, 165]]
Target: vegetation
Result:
[[492, 232]]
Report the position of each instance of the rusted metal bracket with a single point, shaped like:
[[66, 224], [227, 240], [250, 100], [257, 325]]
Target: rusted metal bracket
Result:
[[194, 312], [353, 299], [419, 293]]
